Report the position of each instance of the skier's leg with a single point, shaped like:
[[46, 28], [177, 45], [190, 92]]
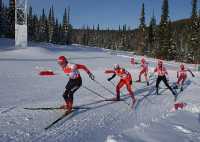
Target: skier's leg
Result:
[[131, 93], [183, 81], [157, 84], [179, 79], [71, 87], [66, 95], [141, 72], [67, 90], [118, 87], [76, 85], [166, 83], [146, 78]]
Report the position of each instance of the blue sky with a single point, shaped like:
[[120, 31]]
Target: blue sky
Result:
[[112, 13]]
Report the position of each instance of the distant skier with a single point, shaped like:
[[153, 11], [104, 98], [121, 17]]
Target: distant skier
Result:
[[182, 76], [75, 81], [162, 72], [132, 61], [144, 70], [125, 79]]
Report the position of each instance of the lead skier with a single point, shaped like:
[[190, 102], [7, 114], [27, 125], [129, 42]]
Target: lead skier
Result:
[[75, 81]]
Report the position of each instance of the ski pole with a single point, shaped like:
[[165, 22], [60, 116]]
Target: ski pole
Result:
[[112, 83], [90, 90], [104, 87]]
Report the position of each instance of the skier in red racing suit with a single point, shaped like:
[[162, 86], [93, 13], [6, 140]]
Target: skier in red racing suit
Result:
[[75, 81], [126, 79]]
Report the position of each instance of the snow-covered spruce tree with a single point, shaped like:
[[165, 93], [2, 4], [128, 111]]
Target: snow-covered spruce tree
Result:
[[35, 27], [11, 19], [141, 49], [194, 43], [152, 36], [50, 24], [1, 19], [30, 24], [198, 50], [65, 27], [172, 44], [42, 28], [164, 36], [56, 34], [70, 28]]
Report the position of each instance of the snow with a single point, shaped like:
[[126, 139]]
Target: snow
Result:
[[151, 121]]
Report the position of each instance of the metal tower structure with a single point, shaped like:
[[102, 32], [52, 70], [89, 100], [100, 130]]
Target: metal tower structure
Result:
[[20, 23]]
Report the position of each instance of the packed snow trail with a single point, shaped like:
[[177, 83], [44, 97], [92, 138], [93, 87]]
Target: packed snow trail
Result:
[[22, 87]]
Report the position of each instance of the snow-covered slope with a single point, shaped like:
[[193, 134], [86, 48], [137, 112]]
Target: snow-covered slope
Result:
[[151, 121]]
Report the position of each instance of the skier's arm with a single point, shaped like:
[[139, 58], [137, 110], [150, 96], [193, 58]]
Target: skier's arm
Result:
[[83, 67], [113, 76], [155, 70], [109, 71], [165, 71], [191, 72], [177, 74]]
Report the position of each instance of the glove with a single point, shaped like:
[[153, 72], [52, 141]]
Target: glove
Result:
[[131, 82], [91, 76], [193, 75], [109, 79]]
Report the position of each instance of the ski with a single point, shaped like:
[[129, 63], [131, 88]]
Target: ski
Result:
[[60, 118], [52, 108], [113, 99]]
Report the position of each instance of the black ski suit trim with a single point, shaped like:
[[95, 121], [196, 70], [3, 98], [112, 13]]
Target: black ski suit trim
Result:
[[164, 79], [72, 86], [113, 76]]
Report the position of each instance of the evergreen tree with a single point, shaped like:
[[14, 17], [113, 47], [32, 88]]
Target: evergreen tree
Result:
[[65, 27], [194, 43], [98, 27], [152, 36], [30, 24], [42, 28], [70, 28], [35, 28], [50, 25], [60, 36], [56, 34], [164, 36], [172, 45], [11, 19], [142, 33], [1, 18], [119, 29], [198, 39], [142, 18]]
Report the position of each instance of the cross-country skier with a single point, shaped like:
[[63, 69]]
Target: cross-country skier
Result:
[[125, 79], [182, 76], [132, 60], [75, 81], [162, 72], [143, 70]]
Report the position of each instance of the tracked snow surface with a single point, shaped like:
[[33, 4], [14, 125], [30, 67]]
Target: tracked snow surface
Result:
[[152, 120]]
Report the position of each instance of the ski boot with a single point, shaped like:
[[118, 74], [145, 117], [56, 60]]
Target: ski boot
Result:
[[138, 80]]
